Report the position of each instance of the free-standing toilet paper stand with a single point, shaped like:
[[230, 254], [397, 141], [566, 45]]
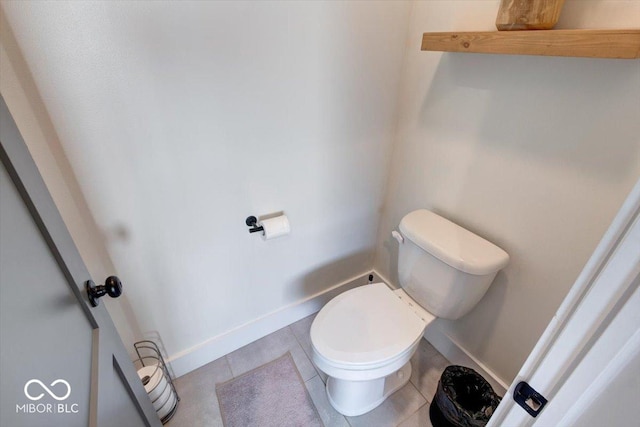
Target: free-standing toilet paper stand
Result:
[[152, 371]]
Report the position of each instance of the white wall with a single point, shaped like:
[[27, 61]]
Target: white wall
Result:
[[535, 154], [167, 111], [181, 119], [21, 94]]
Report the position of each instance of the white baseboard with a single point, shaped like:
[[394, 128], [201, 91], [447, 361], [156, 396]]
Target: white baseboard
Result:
[[380, 278], [458, 355], [220, 345]]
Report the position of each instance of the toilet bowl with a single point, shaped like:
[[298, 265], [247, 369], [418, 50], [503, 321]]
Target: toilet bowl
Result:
[[364, 338]]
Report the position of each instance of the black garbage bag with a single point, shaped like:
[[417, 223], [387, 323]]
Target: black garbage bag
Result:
[[463, 399]]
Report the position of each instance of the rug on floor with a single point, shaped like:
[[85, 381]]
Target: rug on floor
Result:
[[270, 395]]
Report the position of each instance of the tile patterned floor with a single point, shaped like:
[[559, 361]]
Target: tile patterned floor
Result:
[[408, 407]]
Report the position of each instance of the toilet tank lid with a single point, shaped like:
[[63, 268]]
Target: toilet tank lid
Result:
[[452, 244]]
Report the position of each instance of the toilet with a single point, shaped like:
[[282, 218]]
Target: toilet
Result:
[[364, 338]]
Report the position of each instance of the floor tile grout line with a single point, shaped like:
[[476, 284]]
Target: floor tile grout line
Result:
[[420, 392], [309, 356], [297, 340], [299, 343], [226, 359], [304, 352], [413, 413], [316, 375], [347, 420]]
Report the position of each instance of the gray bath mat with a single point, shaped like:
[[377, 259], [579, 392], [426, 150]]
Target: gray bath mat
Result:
[[272, 395]]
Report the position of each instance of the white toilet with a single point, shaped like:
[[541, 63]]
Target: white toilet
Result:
[[364, 338]]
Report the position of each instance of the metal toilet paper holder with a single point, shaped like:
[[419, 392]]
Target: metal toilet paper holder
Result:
[[252, 222], [150, 355]]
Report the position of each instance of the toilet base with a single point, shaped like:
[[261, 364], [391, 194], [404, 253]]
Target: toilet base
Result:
[[353, 398]]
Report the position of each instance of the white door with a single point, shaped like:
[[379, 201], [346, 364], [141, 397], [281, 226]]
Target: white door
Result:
[[62, 362], [587, 362]]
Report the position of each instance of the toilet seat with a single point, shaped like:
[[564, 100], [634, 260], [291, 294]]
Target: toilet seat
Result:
[[366, 328]]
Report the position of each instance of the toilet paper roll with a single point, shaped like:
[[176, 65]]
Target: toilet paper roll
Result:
[[161, 401], [167, 407], [275, 227], [158, 389], [154, 380]]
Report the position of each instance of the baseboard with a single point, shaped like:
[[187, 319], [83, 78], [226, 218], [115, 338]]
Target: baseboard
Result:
[[458, 355], [220, 345], [380, 278], [453, 351]]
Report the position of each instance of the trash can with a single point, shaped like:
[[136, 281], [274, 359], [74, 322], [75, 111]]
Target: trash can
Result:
[[463, 399]]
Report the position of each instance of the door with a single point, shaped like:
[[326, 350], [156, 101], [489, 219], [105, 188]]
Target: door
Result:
[[62, 362], [587, 362]]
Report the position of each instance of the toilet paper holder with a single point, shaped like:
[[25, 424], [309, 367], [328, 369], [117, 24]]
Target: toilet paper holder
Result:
[[252, 222], [150, 364]]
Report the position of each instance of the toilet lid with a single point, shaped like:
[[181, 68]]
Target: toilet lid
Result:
[[365, 325]]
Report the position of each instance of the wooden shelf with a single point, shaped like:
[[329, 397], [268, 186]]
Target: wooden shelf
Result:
[[622, 44]]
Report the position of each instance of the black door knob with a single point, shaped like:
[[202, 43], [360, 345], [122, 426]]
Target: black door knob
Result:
[[112, 286]]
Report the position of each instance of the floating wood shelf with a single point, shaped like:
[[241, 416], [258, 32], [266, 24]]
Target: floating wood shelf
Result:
[[622, 44]]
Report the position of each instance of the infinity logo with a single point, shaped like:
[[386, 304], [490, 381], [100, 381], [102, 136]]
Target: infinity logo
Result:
[[52, 394]]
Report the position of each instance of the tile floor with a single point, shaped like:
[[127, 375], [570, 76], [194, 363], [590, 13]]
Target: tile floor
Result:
[[407, 407]]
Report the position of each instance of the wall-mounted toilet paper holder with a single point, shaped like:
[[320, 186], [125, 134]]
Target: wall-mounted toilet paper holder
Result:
[[252, 222], [270, 226]]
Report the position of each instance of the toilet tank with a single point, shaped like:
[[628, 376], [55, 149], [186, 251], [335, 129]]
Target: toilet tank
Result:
[[444, 267]]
